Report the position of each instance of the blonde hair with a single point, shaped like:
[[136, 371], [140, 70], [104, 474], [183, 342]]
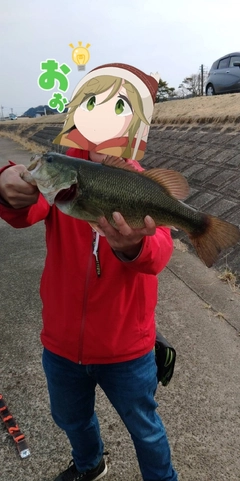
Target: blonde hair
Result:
[[97, 86]]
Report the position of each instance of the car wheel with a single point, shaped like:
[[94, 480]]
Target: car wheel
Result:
[[210, 90]]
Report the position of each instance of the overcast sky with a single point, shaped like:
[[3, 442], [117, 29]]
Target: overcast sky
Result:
[[171, 37]]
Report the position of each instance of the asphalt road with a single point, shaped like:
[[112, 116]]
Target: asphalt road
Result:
[[196, 311]]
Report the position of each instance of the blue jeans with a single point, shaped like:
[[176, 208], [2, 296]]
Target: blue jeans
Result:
[[130, 387]]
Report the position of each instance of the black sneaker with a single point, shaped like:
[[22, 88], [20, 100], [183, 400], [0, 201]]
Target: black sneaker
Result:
[[72, 474]]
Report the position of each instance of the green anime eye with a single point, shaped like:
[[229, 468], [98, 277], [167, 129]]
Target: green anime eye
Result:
[[89, 104], [119, 107], [122, 107]]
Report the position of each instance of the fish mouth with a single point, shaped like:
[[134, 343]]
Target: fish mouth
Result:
[[35, 163], [66, 195]]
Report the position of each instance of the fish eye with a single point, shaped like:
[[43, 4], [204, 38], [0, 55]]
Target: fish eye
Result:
[[89, 104], [49, 159], [122, 108]]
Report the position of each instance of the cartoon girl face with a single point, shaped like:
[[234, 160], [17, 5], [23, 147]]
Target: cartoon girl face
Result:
[[98, 110], [110, 112]]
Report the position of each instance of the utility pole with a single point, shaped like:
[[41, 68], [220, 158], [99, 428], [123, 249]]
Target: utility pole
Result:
[[201, 79], [2, 110]]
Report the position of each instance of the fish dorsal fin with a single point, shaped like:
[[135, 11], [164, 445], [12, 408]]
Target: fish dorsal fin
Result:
[[173, 182], [119, 163]]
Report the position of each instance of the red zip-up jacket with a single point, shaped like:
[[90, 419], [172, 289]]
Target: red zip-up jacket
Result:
[[87, 318]]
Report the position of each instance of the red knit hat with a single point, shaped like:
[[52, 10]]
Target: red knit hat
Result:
[[150, 82]]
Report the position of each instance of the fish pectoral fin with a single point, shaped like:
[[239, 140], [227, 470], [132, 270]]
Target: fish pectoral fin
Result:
[[171, 181], [93, 211], [119, 163]]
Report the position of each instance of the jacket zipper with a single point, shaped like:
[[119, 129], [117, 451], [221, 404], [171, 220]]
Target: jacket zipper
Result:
[[94, 251]]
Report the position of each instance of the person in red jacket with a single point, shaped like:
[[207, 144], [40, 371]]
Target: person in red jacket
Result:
[[99, 295], [98, 327]]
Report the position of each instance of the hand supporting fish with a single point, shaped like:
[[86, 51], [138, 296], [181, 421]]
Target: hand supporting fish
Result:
[[123, 238], [91, 191]]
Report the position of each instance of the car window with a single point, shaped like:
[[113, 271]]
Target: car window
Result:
[[236, 58], [214, 66], [224, 63]]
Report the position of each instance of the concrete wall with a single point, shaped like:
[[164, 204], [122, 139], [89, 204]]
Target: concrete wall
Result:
[[209, 158]]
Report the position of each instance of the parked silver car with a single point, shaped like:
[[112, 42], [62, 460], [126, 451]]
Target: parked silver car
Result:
[[224, 75]]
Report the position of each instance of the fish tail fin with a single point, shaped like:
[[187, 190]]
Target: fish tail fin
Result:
[[218, 235]]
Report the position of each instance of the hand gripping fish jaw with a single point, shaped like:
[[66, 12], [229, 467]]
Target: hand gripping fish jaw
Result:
[[60, 184]]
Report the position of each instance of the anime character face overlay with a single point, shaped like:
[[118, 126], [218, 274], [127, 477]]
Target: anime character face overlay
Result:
[[110, 111], [95, 112]]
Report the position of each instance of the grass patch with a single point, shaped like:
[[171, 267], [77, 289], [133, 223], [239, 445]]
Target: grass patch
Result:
[[231, 279], [215, 110], [27, 144], [220, 111]]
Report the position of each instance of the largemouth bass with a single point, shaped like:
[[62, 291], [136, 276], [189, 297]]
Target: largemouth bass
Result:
[[87, 190]]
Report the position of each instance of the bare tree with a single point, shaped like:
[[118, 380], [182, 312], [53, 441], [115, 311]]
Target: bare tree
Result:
[[194, 85], [191, 85]]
